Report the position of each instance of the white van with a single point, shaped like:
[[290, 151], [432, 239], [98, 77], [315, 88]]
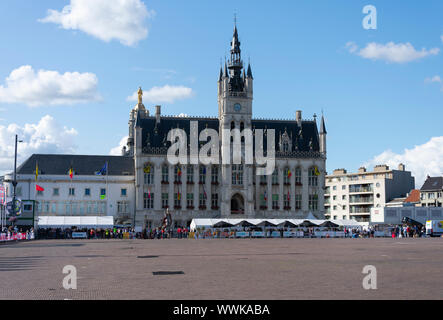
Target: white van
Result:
[[434, 228]]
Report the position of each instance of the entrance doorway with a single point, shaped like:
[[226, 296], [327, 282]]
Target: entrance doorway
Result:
[[237, 204]]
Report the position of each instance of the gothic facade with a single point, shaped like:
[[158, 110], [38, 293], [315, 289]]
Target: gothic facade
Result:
[[294, 190]]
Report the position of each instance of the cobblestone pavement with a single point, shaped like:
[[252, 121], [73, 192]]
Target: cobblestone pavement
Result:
[[223, 269]]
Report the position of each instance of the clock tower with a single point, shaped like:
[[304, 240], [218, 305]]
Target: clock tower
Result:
[[235, 95]]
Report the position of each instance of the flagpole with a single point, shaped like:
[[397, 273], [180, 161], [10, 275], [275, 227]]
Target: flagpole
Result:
[[107, 170]]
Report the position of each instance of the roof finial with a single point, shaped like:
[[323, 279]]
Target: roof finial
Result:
[[140, 95], [235, 19]]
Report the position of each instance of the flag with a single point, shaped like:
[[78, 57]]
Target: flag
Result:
[[179, 172], [265, 196], [103, 197], [2, 195], [204, 192], [36, 171], [71, 172], [38, 188], [289, 197], [204, 170], [103, 171], [178, 196], [149, 193], [289, 173], [147, 169], [316, 172]]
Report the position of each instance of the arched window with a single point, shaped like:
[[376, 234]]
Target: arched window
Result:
[[165, 173], [242, 127], [190, 174], [287, 173], [232, 128], [297, 175], [237, 174], [313, 176], [285, 146], [177, 174], [275, 177], [148, 171]]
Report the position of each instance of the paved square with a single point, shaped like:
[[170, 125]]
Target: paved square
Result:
[[223, 269]]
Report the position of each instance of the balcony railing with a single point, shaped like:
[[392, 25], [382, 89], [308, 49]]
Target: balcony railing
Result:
[[361, 200]]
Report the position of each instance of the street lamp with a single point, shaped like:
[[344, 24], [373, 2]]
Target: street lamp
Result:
[[14, 182]]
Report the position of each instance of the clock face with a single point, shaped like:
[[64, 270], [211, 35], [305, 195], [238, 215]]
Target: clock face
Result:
[[237, 107]]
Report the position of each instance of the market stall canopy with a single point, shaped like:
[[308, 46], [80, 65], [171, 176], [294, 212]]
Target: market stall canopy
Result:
[[223, 224], [308, 224], [287, 224], [245, 223], [266, 224], [329, 224], [80, 222]]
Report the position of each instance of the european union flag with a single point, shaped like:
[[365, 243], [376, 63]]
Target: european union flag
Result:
[[103, 171]]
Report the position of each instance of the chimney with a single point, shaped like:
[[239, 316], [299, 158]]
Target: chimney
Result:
[[362, 170], [157, 113], [401, 167], [298, 117]]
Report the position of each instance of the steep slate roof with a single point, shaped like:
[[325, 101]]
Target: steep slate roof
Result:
[[433, 183], [55, 164], [156, 135]]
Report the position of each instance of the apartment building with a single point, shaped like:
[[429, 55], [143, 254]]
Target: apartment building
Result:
[[352, 195]]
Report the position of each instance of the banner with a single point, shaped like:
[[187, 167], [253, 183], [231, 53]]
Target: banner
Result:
[[18, 207], [242, 234], [79, 235], [258, 234], [16, 236]]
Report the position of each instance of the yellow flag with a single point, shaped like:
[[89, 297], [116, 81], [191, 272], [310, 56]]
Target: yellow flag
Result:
[[317, 173], [36, 171]]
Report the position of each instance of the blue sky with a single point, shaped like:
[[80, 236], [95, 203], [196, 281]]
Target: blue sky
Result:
[[376, 108]]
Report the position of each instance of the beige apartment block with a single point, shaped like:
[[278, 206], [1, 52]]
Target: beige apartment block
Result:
[[352, 195]]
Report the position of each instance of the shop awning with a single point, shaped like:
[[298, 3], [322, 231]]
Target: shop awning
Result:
[[71, 221]]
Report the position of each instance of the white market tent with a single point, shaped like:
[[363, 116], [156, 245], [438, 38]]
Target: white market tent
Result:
[[208, 223], [80, 222]]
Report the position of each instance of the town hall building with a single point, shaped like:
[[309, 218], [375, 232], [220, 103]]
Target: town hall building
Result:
[[294, 190]]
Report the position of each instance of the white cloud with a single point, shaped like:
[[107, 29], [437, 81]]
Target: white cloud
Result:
[[435, 79], [122, 20], [117, 151], [167, 93], [46, 137], [351, 46], [391, 52], [422, 160], [24, 85]]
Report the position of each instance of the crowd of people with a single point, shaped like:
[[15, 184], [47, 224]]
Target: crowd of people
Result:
[[112, 233], [99, 233], [408, 231], [397, 231], [15, 233]]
